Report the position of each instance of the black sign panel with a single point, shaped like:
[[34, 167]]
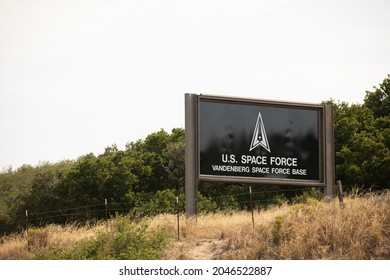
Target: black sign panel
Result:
[[259, 140]]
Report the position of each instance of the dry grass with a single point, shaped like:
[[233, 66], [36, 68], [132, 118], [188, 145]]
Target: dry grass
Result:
[[360, 230], [209, 228], [26, 245]]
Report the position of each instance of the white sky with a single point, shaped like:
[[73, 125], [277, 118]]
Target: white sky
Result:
[[79, 75]]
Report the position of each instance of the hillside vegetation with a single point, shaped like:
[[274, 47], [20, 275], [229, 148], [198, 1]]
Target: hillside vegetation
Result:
[[122, 204], [358, 230], [148, 174]]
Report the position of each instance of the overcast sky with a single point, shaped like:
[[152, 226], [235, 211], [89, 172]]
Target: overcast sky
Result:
[[79, 75]]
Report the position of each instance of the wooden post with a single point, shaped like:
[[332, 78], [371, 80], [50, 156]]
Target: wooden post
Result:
[[305, 197], [340, 193], [106, 208], [28, 240], [329, 154], [191, 181], [178, 218], [27, 221], [250, 197]]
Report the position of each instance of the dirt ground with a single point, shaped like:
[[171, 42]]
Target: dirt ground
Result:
[[203, 249]]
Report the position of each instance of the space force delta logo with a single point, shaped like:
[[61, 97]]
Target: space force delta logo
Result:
[[259, 137], [258, 165]]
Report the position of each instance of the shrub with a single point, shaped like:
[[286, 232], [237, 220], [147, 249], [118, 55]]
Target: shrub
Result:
[[125, 241]]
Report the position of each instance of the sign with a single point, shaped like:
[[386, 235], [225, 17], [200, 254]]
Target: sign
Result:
[[259, 140]]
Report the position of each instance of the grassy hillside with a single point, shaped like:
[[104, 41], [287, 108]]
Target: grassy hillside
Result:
[[314, 230]]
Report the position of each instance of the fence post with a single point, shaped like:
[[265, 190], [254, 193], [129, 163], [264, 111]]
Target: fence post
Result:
[[106, 208], [28, 240], [251, 201], [26, 220], [178, 218], [340, 193]]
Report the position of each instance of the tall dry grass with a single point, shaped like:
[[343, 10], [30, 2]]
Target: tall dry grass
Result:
[[211, 227], [359, 230], [27, 245]]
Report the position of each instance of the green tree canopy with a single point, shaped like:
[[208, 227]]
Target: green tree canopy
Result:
[[362, 139]]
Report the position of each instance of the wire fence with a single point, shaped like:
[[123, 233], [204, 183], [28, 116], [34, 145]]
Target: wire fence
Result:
[[248, 200]]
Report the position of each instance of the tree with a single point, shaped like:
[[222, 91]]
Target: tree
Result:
[[14, 185], [362, 139], [161, 158], [378, 101], [175, 166], [43, 196], [94, 179]]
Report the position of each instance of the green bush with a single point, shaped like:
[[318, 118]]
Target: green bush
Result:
[[277, 229], [308, 195], [125, 241]]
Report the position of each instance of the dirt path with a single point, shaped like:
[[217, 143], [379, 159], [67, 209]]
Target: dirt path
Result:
[[204, 249], [209, 249]]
